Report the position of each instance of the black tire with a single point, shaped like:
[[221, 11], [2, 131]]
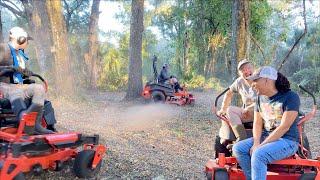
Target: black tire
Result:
[[158, 96], [51, 128], [220, 148], [209, 176], [221, 174], [82, 164], [19, 176], [308, 176], [305, 145]]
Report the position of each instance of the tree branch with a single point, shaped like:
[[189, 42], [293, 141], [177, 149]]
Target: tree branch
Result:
[[14, 5], [298, 40], [259, 47], [13, 10], [76, 7]]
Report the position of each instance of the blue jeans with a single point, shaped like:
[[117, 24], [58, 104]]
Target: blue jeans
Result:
[[255, 166]]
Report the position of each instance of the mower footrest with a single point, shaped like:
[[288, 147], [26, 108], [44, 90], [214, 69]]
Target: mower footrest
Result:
[[59, 139]]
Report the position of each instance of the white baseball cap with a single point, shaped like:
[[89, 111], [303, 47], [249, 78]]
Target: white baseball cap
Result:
[[17, 32], [242, 62], [264, 72]]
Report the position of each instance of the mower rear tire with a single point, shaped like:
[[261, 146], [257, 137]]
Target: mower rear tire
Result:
[[82, 164], [209, 176], [220, 148], [221, 174], [305, 145], [308, 176], [19, 176], [158, 96]]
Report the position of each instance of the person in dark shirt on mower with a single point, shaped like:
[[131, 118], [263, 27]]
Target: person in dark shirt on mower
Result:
[[239, 115], [165, 78], [275, 131], [12, 87]]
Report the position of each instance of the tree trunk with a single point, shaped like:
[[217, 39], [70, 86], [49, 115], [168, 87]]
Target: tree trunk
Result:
[[207, 62], [240, 36], [42, 39], [135, 64], [60, 49], [186, 47], [93, 43], [240, 32], [1, 29], [213, 62], [227, 61]]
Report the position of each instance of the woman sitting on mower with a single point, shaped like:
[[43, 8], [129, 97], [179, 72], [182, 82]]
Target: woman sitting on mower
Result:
[[238, 115], [275, 131], [165, 78]]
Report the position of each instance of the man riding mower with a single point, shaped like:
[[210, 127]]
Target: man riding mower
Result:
[[165, 78], [27, 146], [24, 95], [238, 116], [165, 88], [278, 128]]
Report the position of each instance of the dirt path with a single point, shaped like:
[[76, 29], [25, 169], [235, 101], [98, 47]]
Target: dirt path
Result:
[[148, 141]]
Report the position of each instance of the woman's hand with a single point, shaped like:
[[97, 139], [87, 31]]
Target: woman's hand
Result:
[[254, 147]]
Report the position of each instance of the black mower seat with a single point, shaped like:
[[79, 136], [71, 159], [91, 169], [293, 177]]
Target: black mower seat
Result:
[[5, 106], [248, 125], [5, 103], [167, 89]]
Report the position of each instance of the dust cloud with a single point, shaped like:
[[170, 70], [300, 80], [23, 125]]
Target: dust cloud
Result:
[[143, 117]]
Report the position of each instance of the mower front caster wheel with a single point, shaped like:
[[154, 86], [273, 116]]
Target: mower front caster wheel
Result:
[[82, 164], [308, 176], [219, 174], [19, 176]]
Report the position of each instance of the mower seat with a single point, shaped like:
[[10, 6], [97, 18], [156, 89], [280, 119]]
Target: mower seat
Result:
[[166, 84], [5, 103], [5, 107], [248, 125]]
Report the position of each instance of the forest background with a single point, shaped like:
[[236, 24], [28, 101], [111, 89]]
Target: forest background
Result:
[[202, 40]]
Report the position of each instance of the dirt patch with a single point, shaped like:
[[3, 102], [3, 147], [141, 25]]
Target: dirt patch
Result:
[[148, 141]]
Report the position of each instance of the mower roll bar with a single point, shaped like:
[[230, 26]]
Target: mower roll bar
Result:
[[305, 90], [6, 69], [45, 83], [311, 114], [217, 98], [221, 117], [154, 65]]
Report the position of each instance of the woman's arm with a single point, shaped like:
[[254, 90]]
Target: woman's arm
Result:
[[256, 131], [257, 127], [286, 122]]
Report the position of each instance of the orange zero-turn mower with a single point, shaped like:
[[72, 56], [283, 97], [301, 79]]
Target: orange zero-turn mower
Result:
[[299, 166], [30, 153], [163, 92]]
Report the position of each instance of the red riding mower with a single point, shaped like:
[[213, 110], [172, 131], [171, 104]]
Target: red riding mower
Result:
[[22, 152], [163, 92], [300, 166]]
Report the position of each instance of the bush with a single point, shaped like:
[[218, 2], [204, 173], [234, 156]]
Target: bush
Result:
[[113, 83], [199, 82]]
